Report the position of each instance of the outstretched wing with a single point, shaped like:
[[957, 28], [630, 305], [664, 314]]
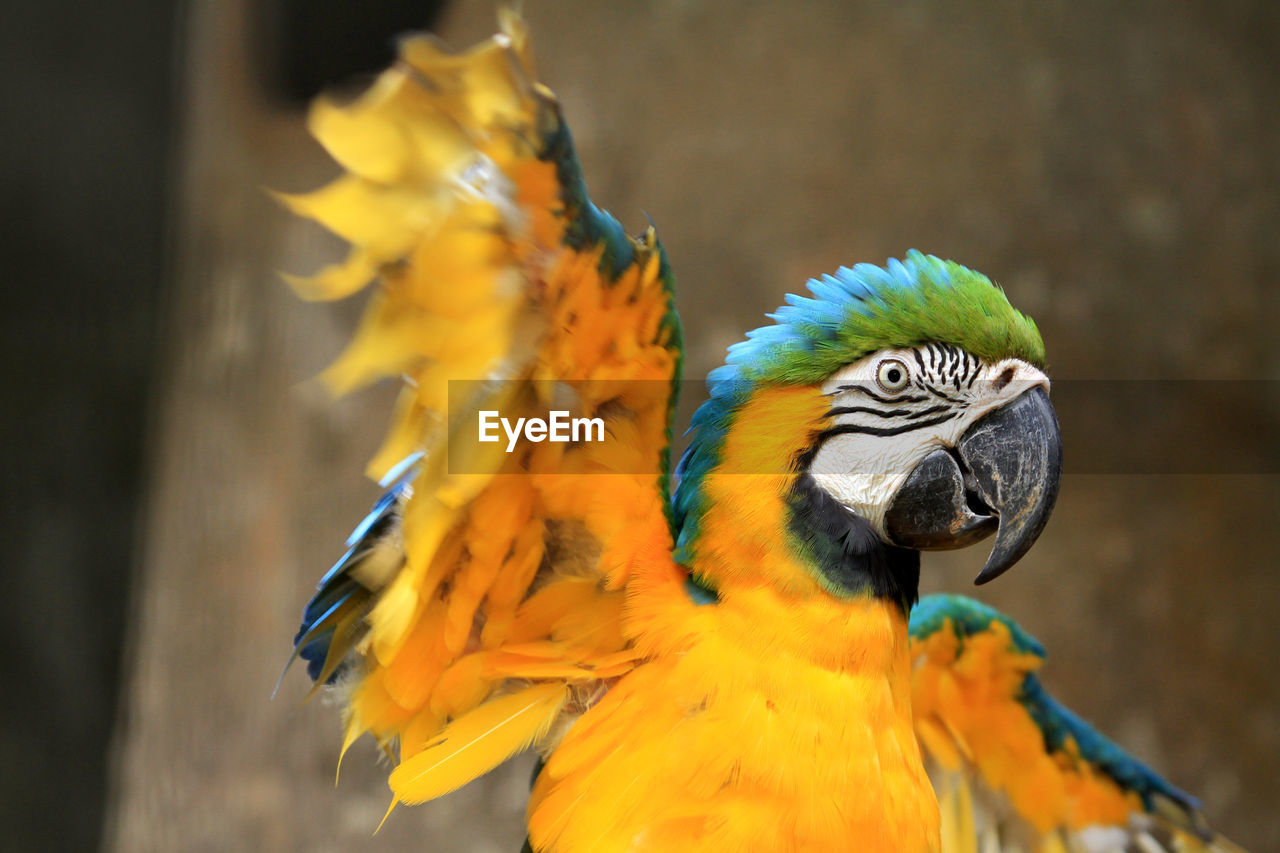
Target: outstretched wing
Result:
[[1014, 770], [479, 604]]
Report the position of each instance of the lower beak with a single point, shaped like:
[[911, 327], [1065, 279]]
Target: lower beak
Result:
[[1001, 476]]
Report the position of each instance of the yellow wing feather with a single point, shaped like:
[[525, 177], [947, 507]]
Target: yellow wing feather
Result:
[[1000, 786], [500, 616], [476, 743], [500, 288]]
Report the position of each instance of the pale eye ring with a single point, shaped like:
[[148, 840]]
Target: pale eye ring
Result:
[[892, 375]]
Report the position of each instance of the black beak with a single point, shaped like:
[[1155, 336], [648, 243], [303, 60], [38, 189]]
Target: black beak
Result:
[[1002, 476]]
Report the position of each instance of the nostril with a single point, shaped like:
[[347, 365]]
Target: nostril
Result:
[[1005, 377]]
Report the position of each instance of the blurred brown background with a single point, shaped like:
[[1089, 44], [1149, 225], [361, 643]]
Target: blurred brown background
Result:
[[174, 488]]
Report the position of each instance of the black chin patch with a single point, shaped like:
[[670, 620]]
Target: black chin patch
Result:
[[846, 551]]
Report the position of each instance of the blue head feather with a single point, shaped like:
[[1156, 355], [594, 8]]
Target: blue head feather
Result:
[[848, 315]]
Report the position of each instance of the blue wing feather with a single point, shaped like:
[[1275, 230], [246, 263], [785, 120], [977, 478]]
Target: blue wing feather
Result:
[[339, 593]]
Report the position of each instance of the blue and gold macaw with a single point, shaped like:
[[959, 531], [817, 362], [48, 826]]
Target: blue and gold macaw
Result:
[[724, 655]]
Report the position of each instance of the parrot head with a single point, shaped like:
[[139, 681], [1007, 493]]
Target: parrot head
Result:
[[918, 419]]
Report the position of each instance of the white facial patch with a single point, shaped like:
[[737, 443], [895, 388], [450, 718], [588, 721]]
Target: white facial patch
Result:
[[895, 407]]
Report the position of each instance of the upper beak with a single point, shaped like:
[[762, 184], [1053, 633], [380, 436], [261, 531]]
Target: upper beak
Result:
[[1002, 475]]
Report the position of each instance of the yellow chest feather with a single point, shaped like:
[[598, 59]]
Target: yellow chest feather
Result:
[[748, 734]]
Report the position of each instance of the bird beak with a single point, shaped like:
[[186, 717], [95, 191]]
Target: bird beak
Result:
[[1001, 476]]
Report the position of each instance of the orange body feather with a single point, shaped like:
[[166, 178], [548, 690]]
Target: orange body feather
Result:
[[778, 719], [536, 600]]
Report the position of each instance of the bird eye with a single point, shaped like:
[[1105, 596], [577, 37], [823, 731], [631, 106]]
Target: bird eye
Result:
[[892, 375]]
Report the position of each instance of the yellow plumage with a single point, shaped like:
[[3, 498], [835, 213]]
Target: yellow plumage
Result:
[[998, 782], [535, 600], [477, 742], [481, 306]]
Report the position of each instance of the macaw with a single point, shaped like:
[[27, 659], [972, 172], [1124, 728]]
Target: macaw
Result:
[[727, 654]]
